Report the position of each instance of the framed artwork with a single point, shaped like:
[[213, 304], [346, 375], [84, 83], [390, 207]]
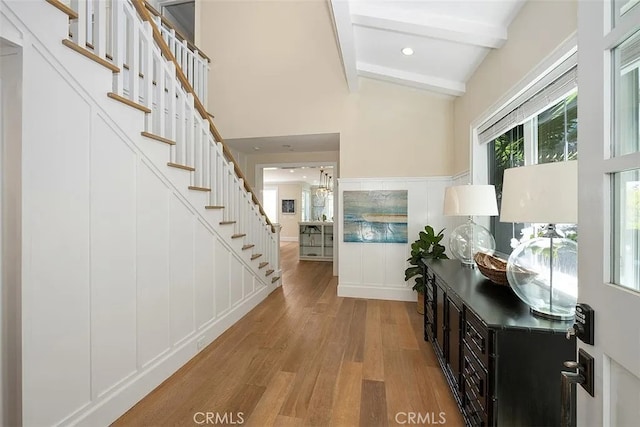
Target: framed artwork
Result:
[[288, 206], [375, 216]]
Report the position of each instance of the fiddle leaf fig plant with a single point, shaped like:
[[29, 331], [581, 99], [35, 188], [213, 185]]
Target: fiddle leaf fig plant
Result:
[[426, 247]]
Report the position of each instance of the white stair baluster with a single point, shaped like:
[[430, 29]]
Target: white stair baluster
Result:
[[119, 49], [190, 148], [78, 26], [149, 75], [182, 128], [100, 29], [134, 60], [184, 63], [221, 172], [172, 110]]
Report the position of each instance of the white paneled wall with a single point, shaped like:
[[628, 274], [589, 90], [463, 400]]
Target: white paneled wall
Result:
[[125, 275], [376, 270]]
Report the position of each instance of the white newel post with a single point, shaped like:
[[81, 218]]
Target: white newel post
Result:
[[276, 253]]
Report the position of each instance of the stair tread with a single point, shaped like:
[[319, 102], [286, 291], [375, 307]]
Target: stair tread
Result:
[[214, 207], [275, 279], [227, 222], [179, 166], [90, 55], [158, 138], [237, 236], [192, 187], [263, 264], [245, 247], [255, 256], [269, 272], [129, 102]]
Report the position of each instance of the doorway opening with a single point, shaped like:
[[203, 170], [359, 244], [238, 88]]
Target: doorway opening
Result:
[[301, 198]]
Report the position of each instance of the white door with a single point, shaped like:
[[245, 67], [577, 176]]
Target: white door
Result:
[[609, 206]]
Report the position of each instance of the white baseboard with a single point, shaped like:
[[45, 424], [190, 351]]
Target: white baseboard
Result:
[[376, 292], [122, 399], [288, 239]]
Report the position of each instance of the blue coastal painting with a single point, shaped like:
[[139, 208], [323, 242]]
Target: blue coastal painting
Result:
[[375, 216]]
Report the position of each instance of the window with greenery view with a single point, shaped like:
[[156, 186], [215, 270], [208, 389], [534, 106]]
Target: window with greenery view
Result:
[[549, 136]]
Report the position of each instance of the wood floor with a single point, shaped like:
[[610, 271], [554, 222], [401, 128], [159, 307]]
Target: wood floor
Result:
[[305, 357]]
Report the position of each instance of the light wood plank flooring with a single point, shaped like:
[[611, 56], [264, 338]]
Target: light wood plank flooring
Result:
[[305, 357]]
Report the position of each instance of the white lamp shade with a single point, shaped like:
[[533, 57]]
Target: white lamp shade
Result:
[[470, 200], [546, 193]]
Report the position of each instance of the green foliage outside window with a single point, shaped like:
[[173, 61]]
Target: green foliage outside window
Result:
[[556, 130]]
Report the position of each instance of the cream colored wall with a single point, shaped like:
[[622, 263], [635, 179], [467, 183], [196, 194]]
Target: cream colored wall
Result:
[[289, 222], [395, 131], [276, 71], [539, 28], [276, 68]]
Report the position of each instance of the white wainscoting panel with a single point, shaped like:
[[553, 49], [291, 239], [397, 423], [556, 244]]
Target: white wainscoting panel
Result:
[[113, 243], [247, 282], [223, 298], [153, 266], [204, 275], [235, 281], [56, 256], [181, 270], [376, 270]]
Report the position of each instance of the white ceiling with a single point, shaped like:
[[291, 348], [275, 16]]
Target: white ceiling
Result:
[[308, 174], [450, 38]]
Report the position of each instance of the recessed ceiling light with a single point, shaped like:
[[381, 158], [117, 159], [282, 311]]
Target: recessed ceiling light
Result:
[[407, 51], [304, 176], [291, 171], [256, 148]]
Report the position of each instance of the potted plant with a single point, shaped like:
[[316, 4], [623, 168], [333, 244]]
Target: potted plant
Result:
[[426, 247]]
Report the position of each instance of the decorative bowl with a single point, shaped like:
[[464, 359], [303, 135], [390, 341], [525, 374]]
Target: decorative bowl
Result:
[[495, 269], [491, 267]]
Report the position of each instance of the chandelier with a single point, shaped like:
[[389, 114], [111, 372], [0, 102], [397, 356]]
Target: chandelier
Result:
[[326, 184]]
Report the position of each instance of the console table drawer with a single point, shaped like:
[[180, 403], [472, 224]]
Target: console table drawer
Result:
[[475, 379], [475, 416], [476, 336]]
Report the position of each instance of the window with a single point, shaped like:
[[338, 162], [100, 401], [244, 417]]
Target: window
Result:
[[506, 151], [549, 136], [270, 203], [304, 205]]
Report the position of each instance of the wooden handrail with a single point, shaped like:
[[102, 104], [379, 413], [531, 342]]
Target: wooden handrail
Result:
[[64, 8], [157, 36], [166, 22]]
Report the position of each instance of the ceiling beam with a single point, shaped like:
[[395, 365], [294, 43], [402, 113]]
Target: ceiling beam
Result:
[[420, 81], [344, 33], [434, 26]]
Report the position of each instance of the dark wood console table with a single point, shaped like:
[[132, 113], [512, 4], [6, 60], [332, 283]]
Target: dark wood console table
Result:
[[502, 363]]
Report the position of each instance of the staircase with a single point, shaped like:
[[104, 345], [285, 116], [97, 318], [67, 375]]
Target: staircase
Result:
[[164, 245]]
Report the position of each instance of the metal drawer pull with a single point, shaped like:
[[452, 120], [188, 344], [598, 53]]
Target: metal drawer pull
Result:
[[472, 374], [475, 336]]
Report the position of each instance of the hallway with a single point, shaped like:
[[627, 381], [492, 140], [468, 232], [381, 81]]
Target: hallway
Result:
[[306, 357]]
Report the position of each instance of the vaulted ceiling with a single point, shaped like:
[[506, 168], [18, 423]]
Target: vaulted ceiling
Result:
[[449, 39]]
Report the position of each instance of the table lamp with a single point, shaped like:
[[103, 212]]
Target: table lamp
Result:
[[543, 271], [470, 238]]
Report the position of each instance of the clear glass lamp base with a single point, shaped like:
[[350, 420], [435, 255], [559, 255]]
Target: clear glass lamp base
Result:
[[468, 239], [543, 273]]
